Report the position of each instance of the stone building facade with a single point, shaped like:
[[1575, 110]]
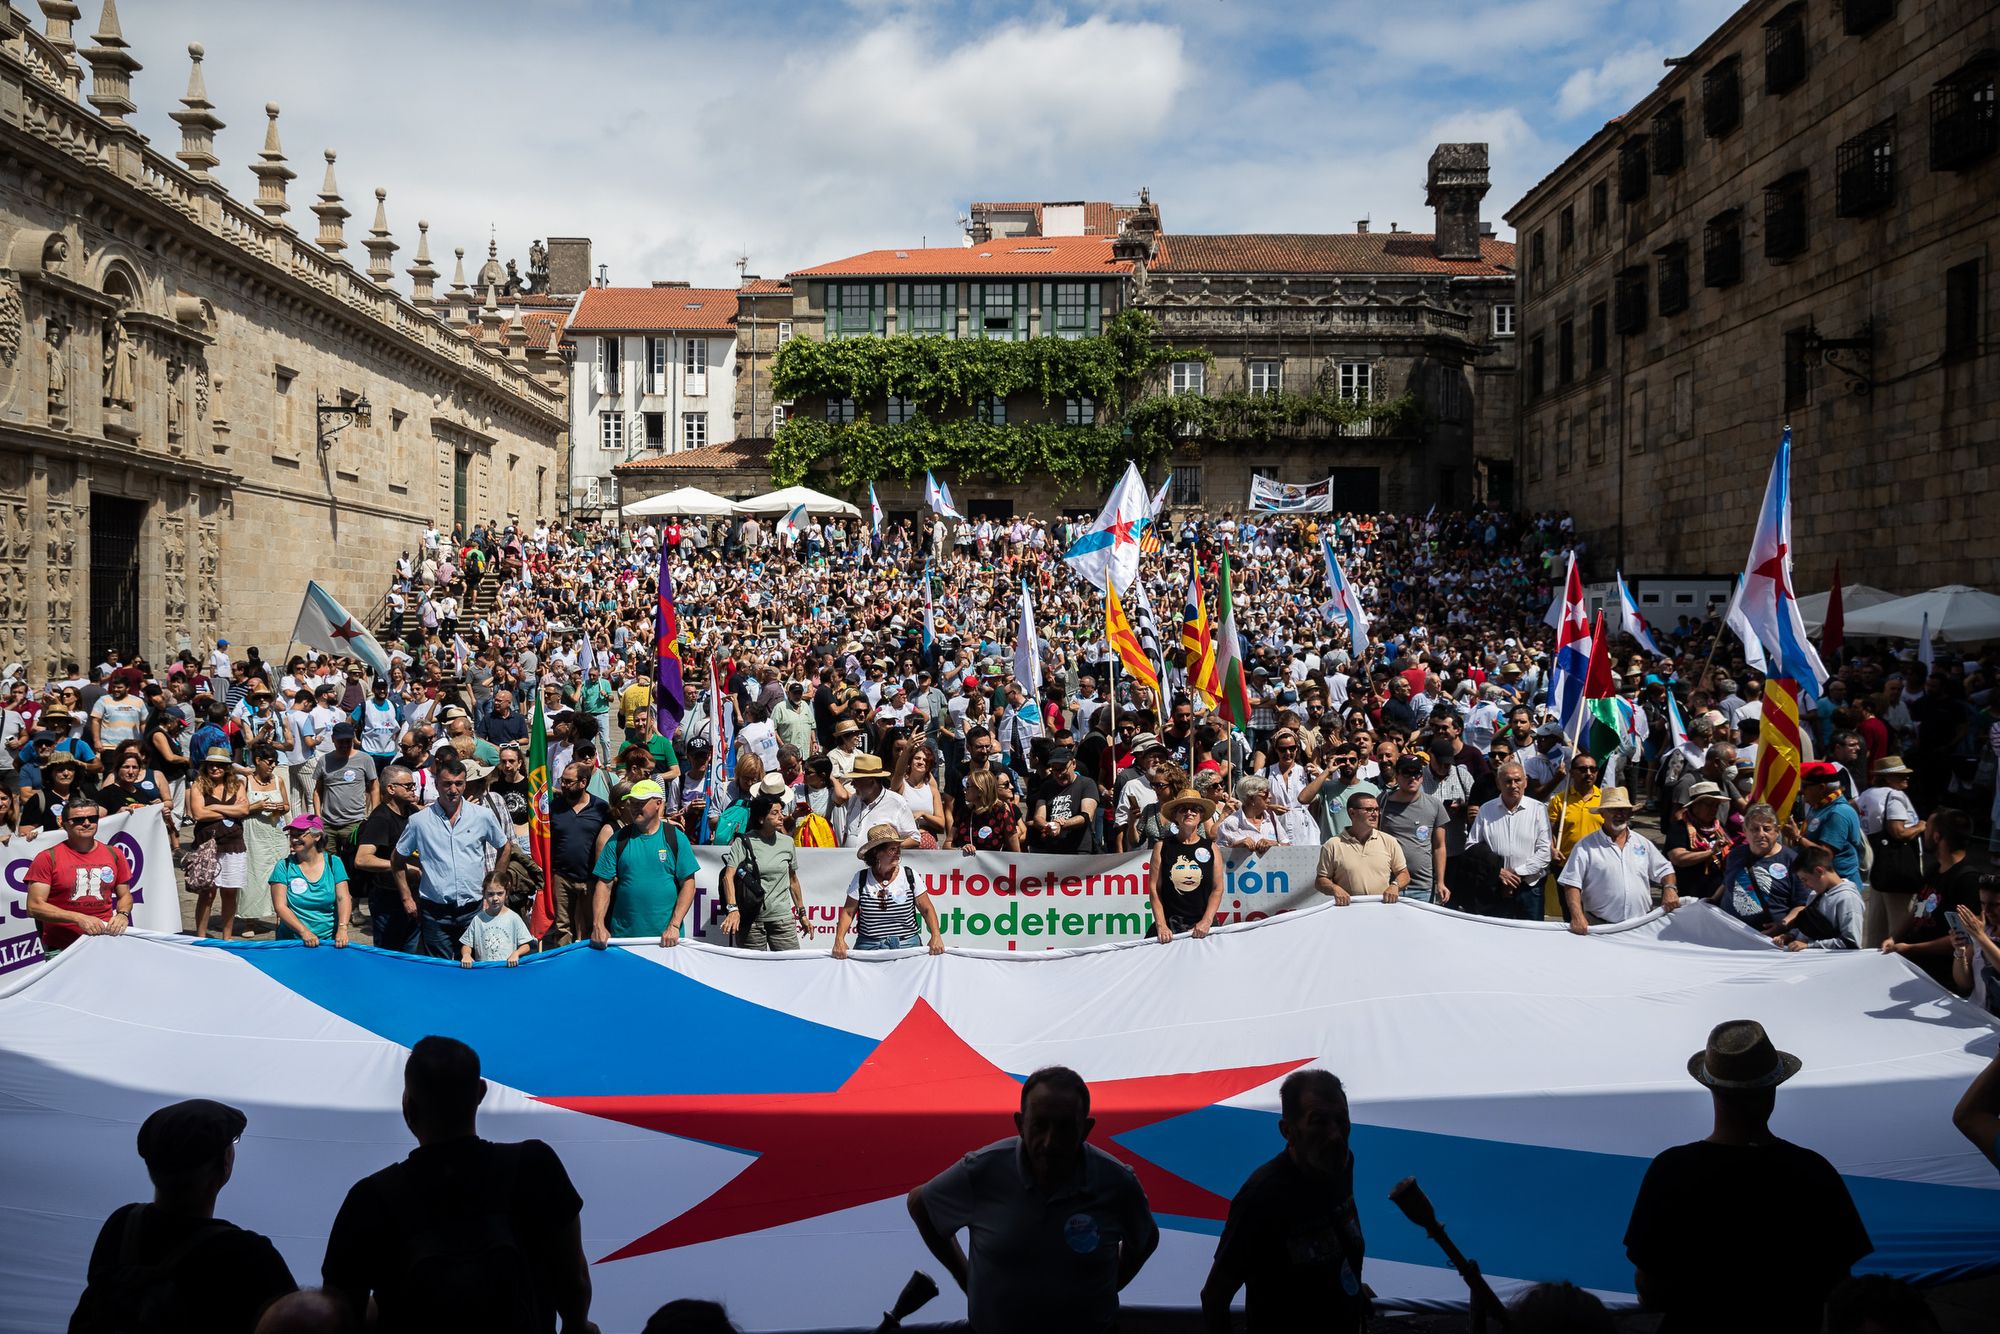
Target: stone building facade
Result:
[[1360, 315], [181, 446], [1798, 225]]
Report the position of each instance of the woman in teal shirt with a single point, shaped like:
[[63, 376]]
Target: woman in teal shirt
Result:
[[309, 887]]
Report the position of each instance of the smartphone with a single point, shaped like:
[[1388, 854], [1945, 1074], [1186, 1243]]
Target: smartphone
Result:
[[1958, 932]]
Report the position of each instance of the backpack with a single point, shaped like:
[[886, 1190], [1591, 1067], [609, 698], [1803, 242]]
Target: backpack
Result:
[[134, 1298], [462, 1264], [750, 892]]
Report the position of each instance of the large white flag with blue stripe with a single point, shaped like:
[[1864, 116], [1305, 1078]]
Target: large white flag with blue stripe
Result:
[[724, 1108]]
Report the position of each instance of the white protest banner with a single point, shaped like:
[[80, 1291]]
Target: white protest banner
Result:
[[140, 834], [1270, 496], [1029, 901]]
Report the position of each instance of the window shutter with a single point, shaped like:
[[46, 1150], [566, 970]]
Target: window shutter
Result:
[[876, 309], [1093, 319], [902, 308], [976, 311], [1020, 311], [1048, 308]]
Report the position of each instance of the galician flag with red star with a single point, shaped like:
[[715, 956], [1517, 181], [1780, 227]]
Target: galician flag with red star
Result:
[[325, 625], [1767, 599], [747, 1127], [1107, 555]]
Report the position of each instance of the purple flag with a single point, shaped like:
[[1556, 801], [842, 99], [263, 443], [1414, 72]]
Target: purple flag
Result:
[[670, 699]]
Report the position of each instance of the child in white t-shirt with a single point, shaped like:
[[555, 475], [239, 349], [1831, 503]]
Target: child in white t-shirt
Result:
[[496, 932]]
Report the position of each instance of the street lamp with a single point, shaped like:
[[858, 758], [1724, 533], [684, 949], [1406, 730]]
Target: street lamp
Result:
[[357, 413]]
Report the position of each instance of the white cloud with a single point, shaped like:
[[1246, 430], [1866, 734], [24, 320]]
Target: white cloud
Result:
[[1620, 80]]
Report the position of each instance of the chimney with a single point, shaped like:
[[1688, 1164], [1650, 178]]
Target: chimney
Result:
[[1361, 226], [1454, 188]]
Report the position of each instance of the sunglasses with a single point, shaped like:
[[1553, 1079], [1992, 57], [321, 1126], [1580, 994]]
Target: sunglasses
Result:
[[80, 819]]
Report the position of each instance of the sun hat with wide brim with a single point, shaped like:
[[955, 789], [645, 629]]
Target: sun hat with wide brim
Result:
[[217, 755], [1891, 766], [1187, 797], [1739, 1055], [1706, 792], [475, 771], [868, 766], [879, 836], [1614, 799]]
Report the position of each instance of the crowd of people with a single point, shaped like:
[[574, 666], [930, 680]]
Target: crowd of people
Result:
[[858, 689], [864, 680]]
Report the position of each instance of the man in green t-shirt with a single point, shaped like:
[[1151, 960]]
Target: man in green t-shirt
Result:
[[666, 765], [644, 875]]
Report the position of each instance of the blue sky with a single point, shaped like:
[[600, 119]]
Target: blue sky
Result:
[[679, 136]]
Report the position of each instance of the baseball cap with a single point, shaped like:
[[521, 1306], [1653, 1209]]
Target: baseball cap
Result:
[[343, 731], [186, 1135], [646, 790]]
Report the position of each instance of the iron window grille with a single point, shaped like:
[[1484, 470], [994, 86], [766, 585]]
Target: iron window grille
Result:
[[1722, 249], [1673, 277], [1669, 147], [1785, 217], [1722, 97], [1629, 300], [1963, 126], [1632, 170], [1785, 50], [1866, 171]]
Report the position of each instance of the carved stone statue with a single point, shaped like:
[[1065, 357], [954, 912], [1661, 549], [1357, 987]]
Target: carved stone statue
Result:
[[58, 360], [512, 287], [538, 266], [121, 364], [176, 401]]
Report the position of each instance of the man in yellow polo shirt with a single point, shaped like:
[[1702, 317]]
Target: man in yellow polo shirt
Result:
[[1573, 817], [1364, 860]]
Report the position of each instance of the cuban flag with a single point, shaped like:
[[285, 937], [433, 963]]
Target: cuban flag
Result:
[[1767, 600], [1631, 621], [1343, 604], [938, 496], [874, 512], [1569, 677], [699, 1157], [670, 694], [1107, 554]]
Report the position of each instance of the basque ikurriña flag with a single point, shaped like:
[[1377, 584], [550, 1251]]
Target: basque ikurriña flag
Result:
[[670, 696], [699, 1155]]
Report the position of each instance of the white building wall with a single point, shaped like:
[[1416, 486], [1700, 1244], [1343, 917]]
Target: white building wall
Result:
[[673, 393]]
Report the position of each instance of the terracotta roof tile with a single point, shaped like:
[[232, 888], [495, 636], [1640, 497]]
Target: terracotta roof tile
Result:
[[760, 285], [1015, 256], [748, 454], [1325, 252], [543, 326], [624, 309]]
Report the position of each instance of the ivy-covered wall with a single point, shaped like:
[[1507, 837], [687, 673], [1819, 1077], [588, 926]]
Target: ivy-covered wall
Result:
[[1119, 371]]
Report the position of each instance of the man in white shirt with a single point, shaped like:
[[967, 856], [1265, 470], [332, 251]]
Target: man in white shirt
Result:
[[1611, 875], [1484, 721], [1548, 764], [873, 803], [1516, 827]]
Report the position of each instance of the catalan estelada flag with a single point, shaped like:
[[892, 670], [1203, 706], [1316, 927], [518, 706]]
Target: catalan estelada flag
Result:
[[1198, 643], [1118, 631], [670, 700], [1778, 753]]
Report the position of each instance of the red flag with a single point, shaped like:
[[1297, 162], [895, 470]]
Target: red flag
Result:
[[1598, 683], [1833, 630]]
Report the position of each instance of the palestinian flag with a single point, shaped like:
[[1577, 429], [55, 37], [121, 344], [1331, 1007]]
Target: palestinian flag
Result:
[[1234, 705]]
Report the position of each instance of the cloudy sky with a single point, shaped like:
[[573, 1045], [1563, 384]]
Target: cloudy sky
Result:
[[679, 136]]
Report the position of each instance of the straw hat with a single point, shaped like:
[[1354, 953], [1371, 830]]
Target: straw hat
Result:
[[1705, 792], [868, 766], [879, 836], [1890, 766], [1186, 797], [1615, 799], [1739, 1055]]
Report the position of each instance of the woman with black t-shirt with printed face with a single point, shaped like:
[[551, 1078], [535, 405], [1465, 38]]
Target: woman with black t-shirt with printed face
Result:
[[1187, 869]]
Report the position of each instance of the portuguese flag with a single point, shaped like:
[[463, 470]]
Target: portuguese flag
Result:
[[1235, 704], [542, 914]]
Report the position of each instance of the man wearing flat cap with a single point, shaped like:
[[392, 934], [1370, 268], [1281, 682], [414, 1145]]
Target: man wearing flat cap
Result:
[[173, 1264], [1742, 1230]]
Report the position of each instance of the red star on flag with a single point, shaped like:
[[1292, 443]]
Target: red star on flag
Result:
[[347, 630], [1121, 532], [921, 1100], [1773, 569]]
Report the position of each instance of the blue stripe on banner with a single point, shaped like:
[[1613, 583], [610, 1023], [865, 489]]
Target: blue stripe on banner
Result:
[[1571, 1224], [1088, 543], [557, 1026]]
